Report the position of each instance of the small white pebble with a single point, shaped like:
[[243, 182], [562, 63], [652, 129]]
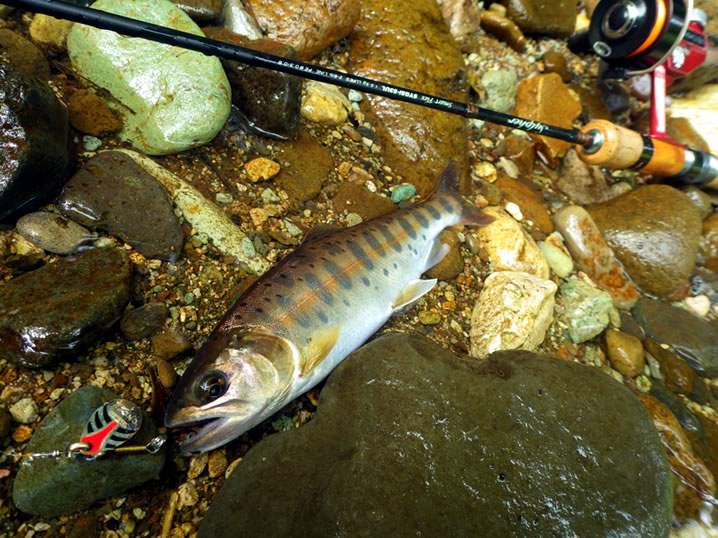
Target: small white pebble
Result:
[[514, 210], [699, 305], [24, 411], [370, 185]]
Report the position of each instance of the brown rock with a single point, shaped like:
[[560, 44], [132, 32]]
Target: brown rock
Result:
[[418, 143], [167, 343], [309, 26], [654, 232], [582, 183], [463, 18], [677, 374], [695, 481], [89, 114], [355, 198], [453, 263], [503, 28], [521, 152], [593, 103], [546, 98], [709, 242], [308, 164], [625, 352], [531, 207], [23, 54], [261, 169], [166, 374], [557, 18], [680, 129], [555, 63]]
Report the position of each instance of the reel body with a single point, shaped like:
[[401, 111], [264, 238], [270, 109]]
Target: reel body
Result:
[[634, 37]]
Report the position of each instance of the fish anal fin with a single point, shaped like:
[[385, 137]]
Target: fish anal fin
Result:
[[320, 344], [320, 230], [412, 292]]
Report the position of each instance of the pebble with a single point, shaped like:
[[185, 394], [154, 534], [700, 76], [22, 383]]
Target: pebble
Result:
[[91, 143], [248, 248], [625, 352], [587, 310], [261, 169], [560, 262], [217, 464], [509, 247], [700, 305], [486, 171], [24, 411], [270, 197], [49, 32], [223, 198], [500, 87], [166, 373], [505, 29], [258, 215], [324, 103], [91, 115], [169, 343], [429, 317], [53, 232], [593, 256], [142, 321], [403, 192], [513, 311], [353, 219], [187, 494], [556, 63], [197, 465]]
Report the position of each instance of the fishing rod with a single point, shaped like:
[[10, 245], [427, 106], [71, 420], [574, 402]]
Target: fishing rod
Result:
[[598, 142]]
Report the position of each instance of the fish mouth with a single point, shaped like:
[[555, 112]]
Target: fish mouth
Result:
[[206, 433]]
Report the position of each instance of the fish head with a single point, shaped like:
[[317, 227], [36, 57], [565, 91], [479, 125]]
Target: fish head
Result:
[[234, 379]]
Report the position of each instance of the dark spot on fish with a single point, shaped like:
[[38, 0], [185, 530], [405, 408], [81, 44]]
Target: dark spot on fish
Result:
[[284, 301], [346, 302], [322, 317], [366, 282], [374, 243], [386, 272], [408, 228], [243, 303], [312, 280], [304, 321], [267, 284], [286, 280], [267, 300], [433, 212], [333, 269], [446, 205], [311, 265], [361, 255], [421, 219], [395, 266], [423, 236]]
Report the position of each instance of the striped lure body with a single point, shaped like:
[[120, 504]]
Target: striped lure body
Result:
[[305, 315]]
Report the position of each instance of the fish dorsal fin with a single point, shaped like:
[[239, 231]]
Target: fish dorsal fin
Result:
[[321, 342], [449, 179], [412, 292], [320, 230]]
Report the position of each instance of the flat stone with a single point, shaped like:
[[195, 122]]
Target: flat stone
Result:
[[417, 142], [487, 448], [653, 231], [309, 166], [513, 311], [53, 232], [693, 338], [113, 193], [59, 309], [546, 98], [190, 106], [310, 26], [51, 487], [34, 144]]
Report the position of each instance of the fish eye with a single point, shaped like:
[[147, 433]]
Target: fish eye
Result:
[[211, 387]]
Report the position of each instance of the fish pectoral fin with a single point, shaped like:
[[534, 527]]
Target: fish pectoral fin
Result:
[[320, 344], [412, 292], [438, 251]]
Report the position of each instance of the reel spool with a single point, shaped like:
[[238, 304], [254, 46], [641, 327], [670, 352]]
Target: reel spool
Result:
[[636, 36]]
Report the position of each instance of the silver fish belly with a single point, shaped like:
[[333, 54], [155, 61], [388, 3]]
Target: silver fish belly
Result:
[[292, 327]]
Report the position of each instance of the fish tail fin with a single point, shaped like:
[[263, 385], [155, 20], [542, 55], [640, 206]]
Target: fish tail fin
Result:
[[449, 184]]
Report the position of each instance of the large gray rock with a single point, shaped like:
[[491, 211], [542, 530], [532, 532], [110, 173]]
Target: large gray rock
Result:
[[410, 439], [113, 193], [57, 310], [35, 159], [51, 487]]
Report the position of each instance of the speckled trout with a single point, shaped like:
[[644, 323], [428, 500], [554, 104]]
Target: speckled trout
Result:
[[292, 327]]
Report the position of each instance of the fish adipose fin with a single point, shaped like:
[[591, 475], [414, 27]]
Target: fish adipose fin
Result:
[[449, 184], [411, 293], [320, 345]]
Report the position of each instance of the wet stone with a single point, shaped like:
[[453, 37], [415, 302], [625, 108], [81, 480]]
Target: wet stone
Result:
[[325, 103], [625, 352], [201, 11], [556, 63], [500, 86], [556, 18], [583, 184], [360, 200], [532, 207], [677, 374], [268, 100], [168, 343], [309, 166], [51, 487], [113, 193], [142, 321], [654, 231], [693, 338], [53, 232], [502, 468], [23, 54], [416, 140], [34, 144], [91, 115], [587, 310], [504, 29], [57, 310], [166, 374], [309, 26], [49, 32]]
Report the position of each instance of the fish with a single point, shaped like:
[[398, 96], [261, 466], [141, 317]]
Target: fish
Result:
[[305, 315]]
